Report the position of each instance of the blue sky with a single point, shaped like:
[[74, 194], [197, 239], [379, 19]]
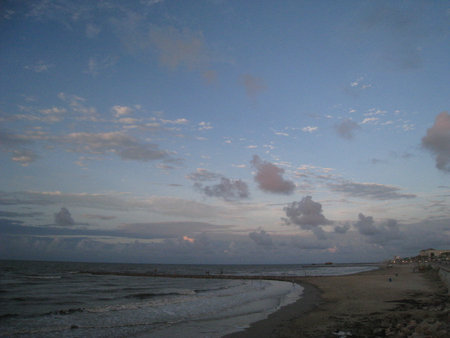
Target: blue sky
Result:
[[224, 131]]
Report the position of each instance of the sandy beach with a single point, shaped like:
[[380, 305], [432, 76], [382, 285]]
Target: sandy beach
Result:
[[394, 302]]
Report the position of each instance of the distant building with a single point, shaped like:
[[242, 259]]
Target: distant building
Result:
[[432, 253]]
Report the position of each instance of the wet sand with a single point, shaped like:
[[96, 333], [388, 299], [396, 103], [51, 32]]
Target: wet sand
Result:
[[388, 301]]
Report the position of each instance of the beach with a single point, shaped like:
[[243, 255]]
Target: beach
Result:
[[396, 302], [111, 300]]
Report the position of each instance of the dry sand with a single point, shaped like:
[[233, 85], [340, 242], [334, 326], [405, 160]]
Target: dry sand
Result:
[[394, 302]]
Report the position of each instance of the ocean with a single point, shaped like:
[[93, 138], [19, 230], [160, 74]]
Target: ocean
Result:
[[68, 299]]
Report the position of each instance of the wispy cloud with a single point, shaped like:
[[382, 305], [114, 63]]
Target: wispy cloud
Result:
[[125, 146], [310, 129], [180, 48], [40, 66], [371, 191]]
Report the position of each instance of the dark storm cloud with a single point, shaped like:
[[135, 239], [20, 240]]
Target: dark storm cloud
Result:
[[346, 129], [226, 189], [64, 218], [269, 177], [261, 238], [371, 191], [308, 215], [437, 141]]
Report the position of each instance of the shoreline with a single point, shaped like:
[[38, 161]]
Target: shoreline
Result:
[[358, 304], [309, 300]]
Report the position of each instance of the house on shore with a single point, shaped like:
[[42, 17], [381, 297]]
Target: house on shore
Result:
[[433, 253]]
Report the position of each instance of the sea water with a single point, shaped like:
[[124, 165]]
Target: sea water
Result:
[[53, 299]]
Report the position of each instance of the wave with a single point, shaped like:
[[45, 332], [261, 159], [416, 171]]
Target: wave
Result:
[[64, 312], [8, 315], [44, 277], [150, 295]]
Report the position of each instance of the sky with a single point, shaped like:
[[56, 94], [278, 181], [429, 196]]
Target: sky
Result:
[[224, 131]]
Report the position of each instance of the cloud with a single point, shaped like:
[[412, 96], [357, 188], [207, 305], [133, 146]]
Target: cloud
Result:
[[154, 230], [13, 143], [179, 48], [346, 129], [64, 218], [404, 155], [227, 189], [370, 120], [92, 30], [77, 105], [262, 238], [437, 141], [9, 139], [305, 243], [101, 217], [120, 111], [172, 206], [269, 177], [341, 229], [96, 65], [100, 201], [203, 175], [169, 229], [19, 214], [125, 146], [309, 129], [179, 207], [40, 66], [205, 126], [400, 32], [366, 225], [24, 157], [379, 234], [308, 215], [254, 85], [371, 191]]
